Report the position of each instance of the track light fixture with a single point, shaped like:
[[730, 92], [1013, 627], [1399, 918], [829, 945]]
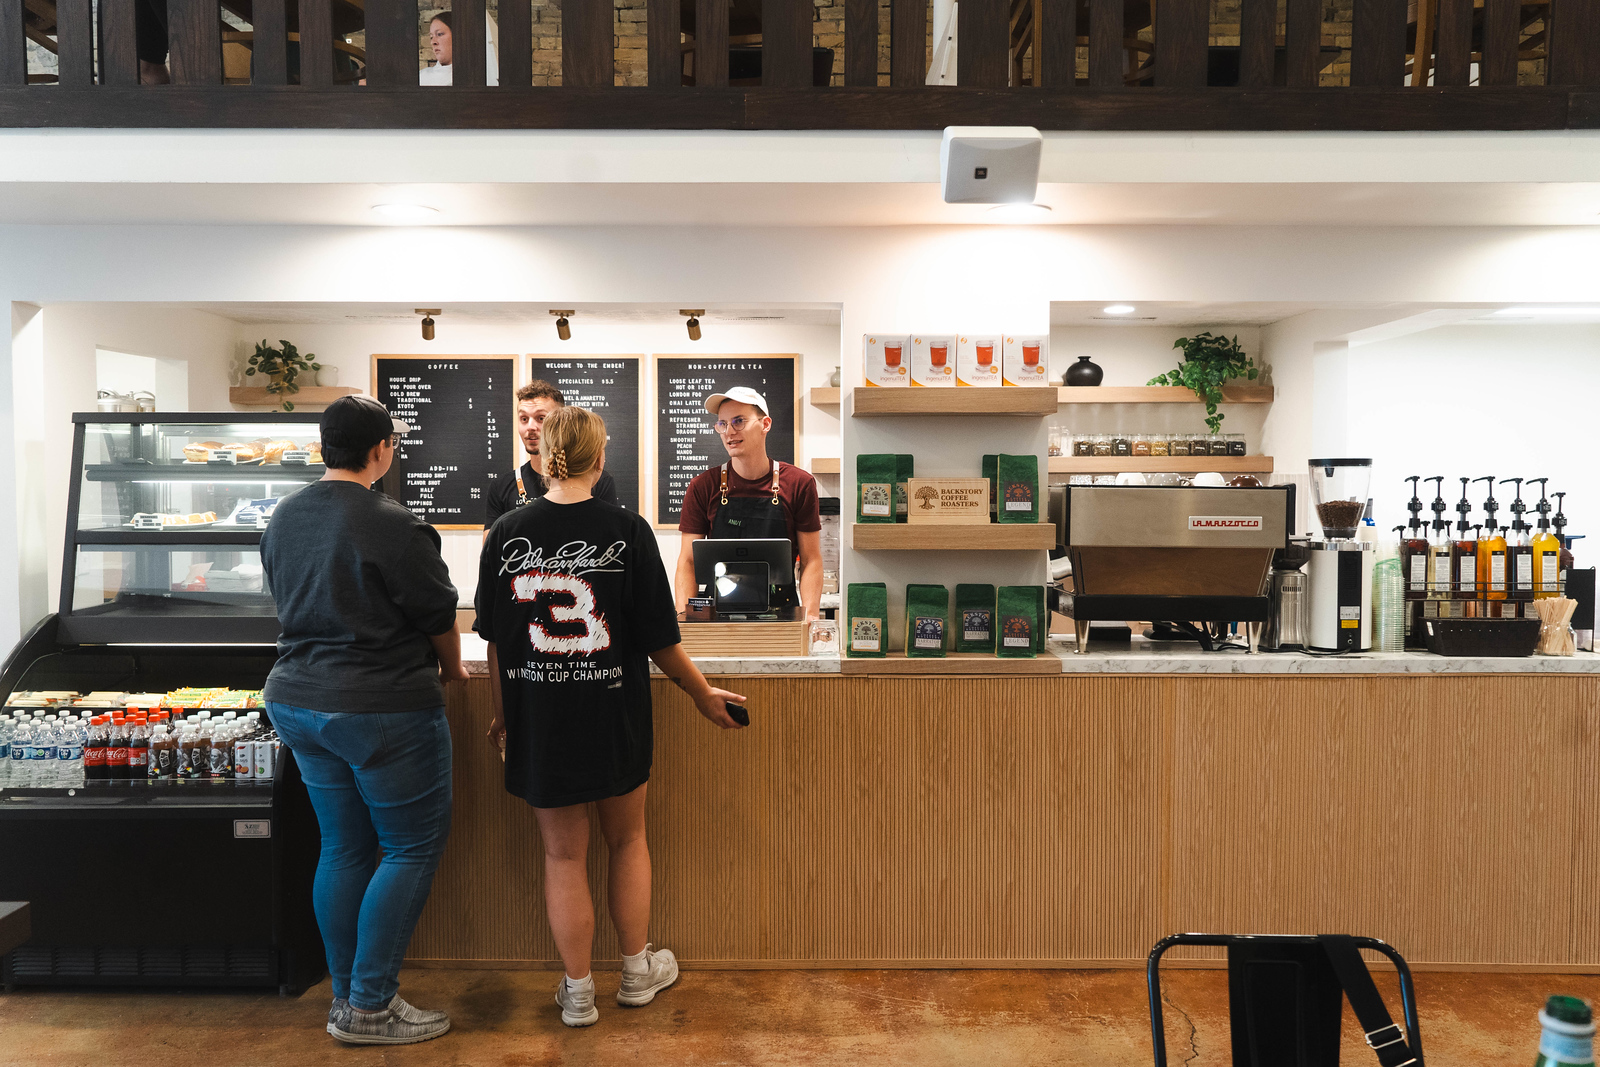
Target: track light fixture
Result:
[[427, 321], [563, 328], [694, 321]]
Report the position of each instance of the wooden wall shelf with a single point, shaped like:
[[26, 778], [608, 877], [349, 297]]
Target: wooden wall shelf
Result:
[[937, 537], [1031, 402], [1160, 464], [953, 663], [825, 465], [257, 395], [1158, 394], [824, 396]]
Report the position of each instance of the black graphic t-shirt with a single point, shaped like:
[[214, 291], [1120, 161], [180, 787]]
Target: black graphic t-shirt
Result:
[[574, 598]]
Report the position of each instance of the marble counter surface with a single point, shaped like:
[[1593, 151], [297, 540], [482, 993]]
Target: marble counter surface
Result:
[[1149, 657]]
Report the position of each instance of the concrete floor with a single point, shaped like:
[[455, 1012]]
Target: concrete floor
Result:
[[929, 1018]]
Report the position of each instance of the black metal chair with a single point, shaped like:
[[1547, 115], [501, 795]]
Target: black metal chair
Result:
[[1285, 999]]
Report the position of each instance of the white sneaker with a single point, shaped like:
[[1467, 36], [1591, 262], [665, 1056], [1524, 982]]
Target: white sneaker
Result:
[[577, 1002], [661, 970]]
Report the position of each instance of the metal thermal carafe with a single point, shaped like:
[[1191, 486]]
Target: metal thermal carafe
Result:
[[1287, 616], [1340, 569]]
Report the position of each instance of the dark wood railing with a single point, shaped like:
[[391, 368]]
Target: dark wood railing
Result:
[[1056, 64]]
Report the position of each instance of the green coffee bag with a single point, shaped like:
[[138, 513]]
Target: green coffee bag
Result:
[[1016, 488], [875, 488], [974, 618], [990, 463], [927, 619], [866, 619], [904, 467], [1017, 620]]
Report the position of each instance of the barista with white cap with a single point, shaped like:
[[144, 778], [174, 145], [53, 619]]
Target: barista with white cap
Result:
[[751, 496]]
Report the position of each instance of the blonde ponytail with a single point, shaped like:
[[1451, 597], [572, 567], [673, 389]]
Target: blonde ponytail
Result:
[[571, 442]]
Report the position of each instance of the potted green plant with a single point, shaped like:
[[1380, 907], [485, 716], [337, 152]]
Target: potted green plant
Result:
[[282, 367], [1209, 362]]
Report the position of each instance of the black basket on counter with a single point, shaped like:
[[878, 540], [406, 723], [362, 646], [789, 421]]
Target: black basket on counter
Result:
[[1482, 637]]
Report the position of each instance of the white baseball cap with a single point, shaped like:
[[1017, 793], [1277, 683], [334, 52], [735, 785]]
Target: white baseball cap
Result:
[[743, 394]]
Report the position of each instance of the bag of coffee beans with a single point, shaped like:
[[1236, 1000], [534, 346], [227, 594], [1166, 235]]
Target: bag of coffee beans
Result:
[[1017, 620], [875, 487], [975, 618], [927, 617], [905, 468], [990, 463], [1016, 488], [866, 619]]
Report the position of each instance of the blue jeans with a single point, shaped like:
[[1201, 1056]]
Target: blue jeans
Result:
[[377, 780]]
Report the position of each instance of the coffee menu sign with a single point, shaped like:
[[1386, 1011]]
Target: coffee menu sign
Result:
[[461, 410], [686, 442], [609, 387]]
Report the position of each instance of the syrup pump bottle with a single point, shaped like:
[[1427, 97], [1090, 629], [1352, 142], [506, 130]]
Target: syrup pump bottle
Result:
[[1491, 551], [1463, 554], [1566, 544], [1546, 549], [1519, 551], [1414, 548], [1439, 545]]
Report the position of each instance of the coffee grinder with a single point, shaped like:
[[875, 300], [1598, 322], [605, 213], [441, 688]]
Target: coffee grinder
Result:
[[1340, 568]]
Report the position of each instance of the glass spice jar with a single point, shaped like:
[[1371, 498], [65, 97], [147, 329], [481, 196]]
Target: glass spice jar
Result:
[[1179, 445], [1160, 445], [1199, 445], [1054, 442], [1236, 444], [1121, 444], [1218, 444], [1102, 445], [1083, 444], [1141, 444]]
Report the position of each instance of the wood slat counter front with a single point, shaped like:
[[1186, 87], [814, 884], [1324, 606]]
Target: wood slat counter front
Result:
[[1073, 820]]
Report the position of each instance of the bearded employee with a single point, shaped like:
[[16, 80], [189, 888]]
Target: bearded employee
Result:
[[751, 496], [535, 402]]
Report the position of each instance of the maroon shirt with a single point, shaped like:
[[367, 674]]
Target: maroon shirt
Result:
[[797, 491]]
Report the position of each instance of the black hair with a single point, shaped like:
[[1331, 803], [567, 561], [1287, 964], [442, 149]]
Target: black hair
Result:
[[346, 459]]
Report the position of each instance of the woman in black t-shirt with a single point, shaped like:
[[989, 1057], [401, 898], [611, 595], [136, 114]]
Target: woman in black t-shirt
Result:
[[573, 598]]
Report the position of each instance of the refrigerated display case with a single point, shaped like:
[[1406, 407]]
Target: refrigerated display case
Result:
[[175, 882]]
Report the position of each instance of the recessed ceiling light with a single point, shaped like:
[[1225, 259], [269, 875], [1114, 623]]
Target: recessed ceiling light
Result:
[[1119, 309], [1009, 213], [406, 212]]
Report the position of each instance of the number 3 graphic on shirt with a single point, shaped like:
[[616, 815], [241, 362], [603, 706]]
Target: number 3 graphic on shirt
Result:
[[553, 589]]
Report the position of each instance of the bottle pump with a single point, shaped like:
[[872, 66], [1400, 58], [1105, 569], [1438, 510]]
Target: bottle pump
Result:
[[1519, 551], [1491, 550], [1546, 549], [1439, 546], [1464, 553]]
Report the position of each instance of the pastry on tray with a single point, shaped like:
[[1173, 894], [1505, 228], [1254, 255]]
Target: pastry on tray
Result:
[[274, 450], [246, 453], [199, 452]]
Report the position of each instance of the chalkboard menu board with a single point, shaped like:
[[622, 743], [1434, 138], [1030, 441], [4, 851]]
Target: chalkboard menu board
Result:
[[609, 387], [461, 410], [685, 442]]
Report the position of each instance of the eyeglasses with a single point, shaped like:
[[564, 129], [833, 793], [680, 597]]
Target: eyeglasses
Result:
[[739, 422], [394, 440]]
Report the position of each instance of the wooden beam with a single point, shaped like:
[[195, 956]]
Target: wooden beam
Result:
[[1502, 28], [194, 38], [468, 60], [1105, 44], [711, 44], [13, 44], [664, 29], [119, 57], [1055, 44], [316, 45], [1181, 33], [786, 43], [269, 60], [981, 33], [1258, 35], [1303, 44], [908, 43], [392, 43], [1574, 42], [1453, 62], [588, 33], [75, 42], [1378, 43]]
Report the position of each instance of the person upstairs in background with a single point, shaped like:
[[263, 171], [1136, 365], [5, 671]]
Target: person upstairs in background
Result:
[[441, 39], [573, 601], [536, 401], [368, 620], [751, 496], [150, 41]]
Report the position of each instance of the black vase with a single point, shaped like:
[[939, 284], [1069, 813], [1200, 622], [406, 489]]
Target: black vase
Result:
[[1083, 372]]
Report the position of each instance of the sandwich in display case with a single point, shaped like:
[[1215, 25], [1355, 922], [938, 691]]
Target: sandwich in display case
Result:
[[160, 833]]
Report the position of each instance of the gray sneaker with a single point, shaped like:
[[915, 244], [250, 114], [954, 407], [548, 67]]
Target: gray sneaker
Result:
[[386, 1027], [341, 1005], [577, 1002], [661, 970], [406, 1013]]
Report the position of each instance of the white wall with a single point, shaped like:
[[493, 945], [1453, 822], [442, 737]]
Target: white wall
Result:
[[902, 278], [165, 379], [1468, 401], [350, 348]]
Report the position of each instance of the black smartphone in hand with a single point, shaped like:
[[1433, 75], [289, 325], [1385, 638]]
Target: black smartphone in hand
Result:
[[737, 712]]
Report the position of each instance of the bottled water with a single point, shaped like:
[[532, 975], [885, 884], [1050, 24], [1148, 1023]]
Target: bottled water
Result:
[[69, 755], [6, 729], [21, 746], [41, 754]]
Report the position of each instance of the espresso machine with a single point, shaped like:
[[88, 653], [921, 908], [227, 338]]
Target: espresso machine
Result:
[[1339, 572], [1184, 554]]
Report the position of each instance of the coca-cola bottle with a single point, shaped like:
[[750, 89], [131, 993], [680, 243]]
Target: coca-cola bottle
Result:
[[117, 749], [139, 750], [94, 750]]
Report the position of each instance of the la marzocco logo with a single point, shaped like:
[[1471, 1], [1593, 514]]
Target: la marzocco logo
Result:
[[1224, 522]]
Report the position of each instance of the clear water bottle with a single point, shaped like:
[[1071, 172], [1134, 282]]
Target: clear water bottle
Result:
[[7, 728], [69, 755], [1567, 1039], [21, 744], [42, 754]]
